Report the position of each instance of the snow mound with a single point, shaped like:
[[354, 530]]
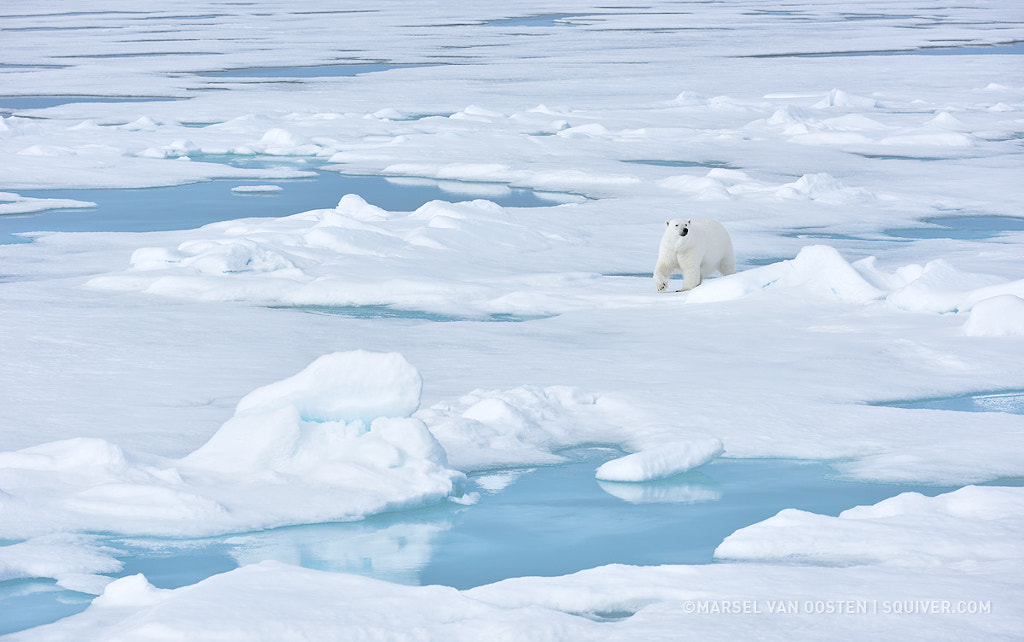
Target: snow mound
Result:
[[344, 386], [334, 442], [820, 271], [909, 530], [518, 427], [840, 98], [133, 591], [824, 188], [936, 286], [817, 270], [664, 461], [999, 316], [280, 142]]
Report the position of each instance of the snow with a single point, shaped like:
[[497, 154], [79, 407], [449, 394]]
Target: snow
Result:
[[76, 562], [972, 526], [233, 378], [334, 442], [271, 600]]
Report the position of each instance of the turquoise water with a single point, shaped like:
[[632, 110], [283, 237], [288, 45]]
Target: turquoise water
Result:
[[197, 204], [711, 164], [965, 227], [388, 312], [10, 104], [1011, 402], [545, 521], [540, 20]]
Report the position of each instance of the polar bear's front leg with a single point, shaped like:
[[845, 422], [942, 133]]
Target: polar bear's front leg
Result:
[[662, 273]]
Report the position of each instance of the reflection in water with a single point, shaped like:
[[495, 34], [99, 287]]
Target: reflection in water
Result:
[[394, 551], [691, 488]]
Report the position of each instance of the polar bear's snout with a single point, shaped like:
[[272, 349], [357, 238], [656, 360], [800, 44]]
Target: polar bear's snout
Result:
[[684, 232]]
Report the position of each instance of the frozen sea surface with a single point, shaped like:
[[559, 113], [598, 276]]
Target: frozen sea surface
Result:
[[199, 407]]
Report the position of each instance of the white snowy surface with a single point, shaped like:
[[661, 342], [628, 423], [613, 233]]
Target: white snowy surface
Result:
[[333, 443], [967, 528], [123, 354], [270, 601], [998, 316]]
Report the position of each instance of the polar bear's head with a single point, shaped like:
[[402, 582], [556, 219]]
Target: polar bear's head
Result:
[[677, 227]]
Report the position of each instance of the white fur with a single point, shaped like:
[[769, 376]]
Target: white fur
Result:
[[697, 247]]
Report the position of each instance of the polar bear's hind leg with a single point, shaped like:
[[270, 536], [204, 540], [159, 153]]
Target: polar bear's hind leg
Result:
[[727, 265]]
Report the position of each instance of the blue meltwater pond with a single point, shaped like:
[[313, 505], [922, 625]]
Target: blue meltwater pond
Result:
[[547, 521], [184, 207]]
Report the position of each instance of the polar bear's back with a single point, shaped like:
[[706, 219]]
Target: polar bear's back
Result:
[[712, 231]]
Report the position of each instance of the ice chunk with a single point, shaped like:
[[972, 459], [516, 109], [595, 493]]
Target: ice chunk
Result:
[[822, 187], [344, 386], [356, 207], [839, 98], [73, 560], [132, 591], [256, 189], [999, 316], [658, 463], [817, 269], [280, 141]]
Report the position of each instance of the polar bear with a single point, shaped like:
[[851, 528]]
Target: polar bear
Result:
[[697, 247]]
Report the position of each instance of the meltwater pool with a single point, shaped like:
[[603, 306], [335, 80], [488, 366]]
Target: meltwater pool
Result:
[[547, 521]]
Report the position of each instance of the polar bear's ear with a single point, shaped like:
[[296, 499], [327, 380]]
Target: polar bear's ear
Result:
[[667, 223]]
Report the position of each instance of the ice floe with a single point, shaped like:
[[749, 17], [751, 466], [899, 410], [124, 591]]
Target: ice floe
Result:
[[973, 525], [334, 442]]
